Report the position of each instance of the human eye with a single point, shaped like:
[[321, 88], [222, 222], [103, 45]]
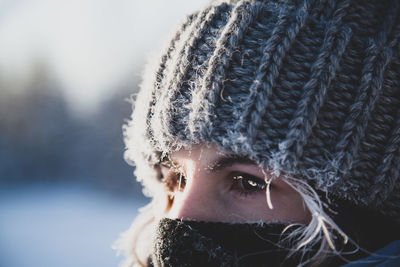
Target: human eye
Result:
[[172, 177], [246, 184]]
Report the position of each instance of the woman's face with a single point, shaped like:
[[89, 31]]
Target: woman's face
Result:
[[207, 185]]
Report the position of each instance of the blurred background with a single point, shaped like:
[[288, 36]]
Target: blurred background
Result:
[[67, 68]]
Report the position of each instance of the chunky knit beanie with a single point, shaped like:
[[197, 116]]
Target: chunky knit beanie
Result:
[[308, 88]]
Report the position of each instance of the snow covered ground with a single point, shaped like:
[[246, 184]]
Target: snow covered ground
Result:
[[61, 226]]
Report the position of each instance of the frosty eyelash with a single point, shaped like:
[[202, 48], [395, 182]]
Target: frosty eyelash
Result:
[[241, 183], [246, 184], [253, 182], [175, 180]]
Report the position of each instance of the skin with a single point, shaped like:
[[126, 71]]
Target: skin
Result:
[[207, 185]]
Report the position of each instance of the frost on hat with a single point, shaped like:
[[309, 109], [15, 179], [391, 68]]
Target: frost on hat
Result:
[[308, 88]]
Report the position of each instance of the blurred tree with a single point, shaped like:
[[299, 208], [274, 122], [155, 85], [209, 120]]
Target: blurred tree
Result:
[[40, 141], [30, 120]]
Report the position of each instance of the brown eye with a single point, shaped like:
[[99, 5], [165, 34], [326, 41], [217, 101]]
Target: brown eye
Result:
[[174, 181], [172, 176], [181, 182], [249, 183]]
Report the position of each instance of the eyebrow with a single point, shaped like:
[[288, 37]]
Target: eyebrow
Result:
[[220, 163], [227, 161]]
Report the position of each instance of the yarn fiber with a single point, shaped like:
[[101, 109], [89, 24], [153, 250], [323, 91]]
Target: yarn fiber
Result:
[[307, 88]]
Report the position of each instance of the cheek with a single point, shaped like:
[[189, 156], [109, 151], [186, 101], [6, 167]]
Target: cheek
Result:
[[291, 207], [287, 207], [252, 208]]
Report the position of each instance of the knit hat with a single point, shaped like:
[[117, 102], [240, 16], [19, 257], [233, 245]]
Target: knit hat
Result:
[[307, 88]]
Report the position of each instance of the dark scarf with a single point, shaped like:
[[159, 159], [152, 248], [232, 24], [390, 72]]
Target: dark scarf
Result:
[[191, 243]]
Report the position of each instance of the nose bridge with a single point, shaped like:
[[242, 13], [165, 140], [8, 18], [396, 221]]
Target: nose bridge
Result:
[[197, 201]]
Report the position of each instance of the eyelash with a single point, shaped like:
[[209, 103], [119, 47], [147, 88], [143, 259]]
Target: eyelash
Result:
[[174, 181], [246, 184], [243, 183]]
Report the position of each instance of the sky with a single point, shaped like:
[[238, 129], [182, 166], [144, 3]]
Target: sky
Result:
[[90, 46]]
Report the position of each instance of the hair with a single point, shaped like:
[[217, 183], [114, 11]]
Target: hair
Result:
[[320, 230]]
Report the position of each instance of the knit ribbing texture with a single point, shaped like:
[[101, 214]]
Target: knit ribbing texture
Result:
[[307, 88]]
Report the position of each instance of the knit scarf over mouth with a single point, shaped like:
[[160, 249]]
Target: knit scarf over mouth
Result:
[[192, 243]]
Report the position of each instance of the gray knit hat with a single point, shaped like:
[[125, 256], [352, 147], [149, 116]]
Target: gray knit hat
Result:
[[309, 88]]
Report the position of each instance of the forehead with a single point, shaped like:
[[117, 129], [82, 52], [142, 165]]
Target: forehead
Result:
[[209, 157], [197, 153]]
